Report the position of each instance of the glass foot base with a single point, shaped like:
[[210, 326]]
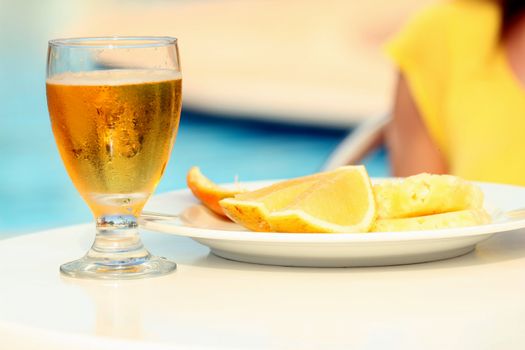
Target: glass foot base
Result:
[[117, 254], [131, 268]]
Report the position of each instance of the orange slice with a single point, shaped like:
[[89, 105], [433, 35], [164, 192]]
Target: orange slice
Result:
[[280, 207], [341, 203], [207, 191], [250, 209]]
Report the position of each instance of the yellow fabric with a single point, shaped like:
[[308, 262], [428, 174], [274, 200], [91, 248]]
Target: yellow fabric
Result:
[[466, 93]]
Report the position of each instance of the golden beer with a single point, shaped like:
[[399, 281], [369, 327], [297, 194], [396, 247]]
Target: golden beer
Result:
[[115, 130]]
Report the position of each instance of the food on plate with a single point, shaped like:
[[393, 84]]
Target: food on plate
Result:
[[338, 201], [461, 218], [425, 194], [251, 209], [207, 191], [252, 212], [343, 200]]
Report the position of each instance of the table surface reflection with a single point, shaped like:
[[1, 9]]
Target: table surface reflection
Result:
[[472, 302]]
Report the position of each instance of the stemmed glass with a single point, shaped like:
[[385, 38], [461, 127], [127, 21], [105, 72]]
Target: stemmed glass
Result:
[[114, 104]]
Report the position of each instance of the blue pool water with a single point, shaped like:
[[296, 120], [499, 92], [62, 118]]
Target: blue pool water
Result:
[[36, 192]]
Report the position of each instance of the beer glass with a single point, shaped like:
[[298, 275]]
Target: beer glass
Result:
[[114, 104]]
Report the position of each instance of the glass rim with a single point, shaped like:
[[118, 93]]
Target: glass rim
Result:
[[114, 42]]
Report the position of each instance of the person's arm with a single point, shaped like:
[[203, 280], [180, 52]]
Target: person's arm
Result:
[[410, 146]]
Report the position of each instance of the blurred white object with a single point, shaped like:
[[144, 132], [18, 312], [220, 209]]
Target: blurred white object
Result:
[[304, 61], [358, 143]]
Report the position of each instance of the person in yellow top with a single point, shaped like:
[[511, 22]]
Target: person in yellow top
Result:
[[460, 101]]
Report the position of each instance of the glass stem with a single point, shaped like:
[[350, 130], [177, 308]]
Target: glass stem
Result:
[[118, 242]]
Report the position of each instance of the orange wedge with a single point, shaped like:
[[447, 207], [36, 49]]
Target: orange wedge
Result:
[[207, 191], [341, 203], [252, 209], [302, 204]]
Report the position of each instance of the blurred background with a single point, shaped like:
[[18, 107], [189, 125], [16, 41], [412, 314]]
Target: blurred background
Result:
[[270, 89]]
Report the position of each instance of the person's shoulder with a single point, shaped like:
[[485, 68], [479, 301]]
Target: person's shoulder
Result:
[[438, 47], [462, 31], [458, 16]]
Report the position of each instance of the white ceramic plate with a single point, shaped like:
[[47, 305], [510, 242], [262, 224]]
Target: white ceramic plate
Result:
[[231, 241]]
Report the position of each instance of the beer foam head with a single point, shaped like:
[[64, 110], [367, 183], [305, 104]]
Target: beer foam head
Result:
[[114, 77]]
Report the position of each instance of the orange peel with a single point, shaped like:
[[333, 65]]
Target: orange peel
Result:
[[208, 192]]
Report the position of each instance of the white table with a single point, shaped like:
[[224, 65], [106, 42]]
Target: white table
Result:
[[476, 301]]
